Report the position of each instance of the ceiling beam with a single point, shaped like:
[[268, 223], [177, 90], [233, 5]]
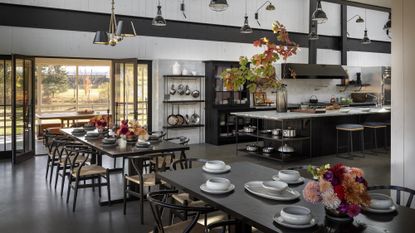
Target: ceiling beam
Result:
[[360, 5]]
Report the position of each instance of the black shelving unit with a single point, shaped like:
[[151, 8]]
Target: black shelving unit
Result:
[[173, 102], [220, 102]]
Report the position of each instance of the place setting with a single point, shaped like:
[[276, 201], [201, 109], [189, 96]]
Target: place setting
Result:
[[78, 132], [92, 135], [217, 185], [274, 190], [109, 142], [380, 204], [291, 177], [216, 167], [297, 217]]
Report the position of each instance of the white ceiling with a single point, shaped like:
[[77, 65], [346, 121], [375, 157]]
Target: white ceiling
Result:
[[384, 3]]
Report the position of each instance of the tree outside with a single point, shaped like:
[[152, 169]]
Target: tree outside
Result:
[[54, 81]]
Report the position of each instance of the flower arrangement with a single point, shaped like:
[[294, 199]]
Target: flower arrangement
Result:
[[341, 189], [99, 121], [131, 129], [258, 72]]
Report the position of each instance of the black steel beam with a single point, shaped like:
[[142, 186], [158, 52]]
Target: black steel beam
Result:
[[361, 5], [374, 47], [343, 30], [312, 44]]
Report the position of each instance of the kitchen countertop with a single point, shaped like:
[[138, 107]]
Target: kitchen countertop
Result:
[[273, 115]]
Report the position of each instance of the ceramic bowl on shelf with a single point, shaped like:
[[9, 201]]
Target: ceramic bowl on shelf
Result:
[[289, 175], [218, 184], [215, 165], [274, 187], [297, 215], [380, 201]]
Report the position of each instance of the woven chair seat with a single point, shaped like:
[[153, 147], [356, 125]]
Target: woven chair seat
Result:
[[91, 170], [184, 198], [350, 127], [149, 179], [375, 125]]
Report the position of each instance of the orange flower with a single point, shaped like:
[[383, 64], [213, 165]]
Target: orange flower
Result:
[[354, 192], [356, 172]]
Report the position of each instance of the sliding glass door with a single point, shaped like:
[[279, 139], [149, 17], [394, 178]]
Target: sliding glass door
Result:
[[130, 88], [5, 107], [23, 101]]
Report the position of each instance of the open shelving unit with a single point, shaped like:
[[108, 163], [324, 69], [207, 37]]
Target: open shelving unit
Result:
[[174, 102]]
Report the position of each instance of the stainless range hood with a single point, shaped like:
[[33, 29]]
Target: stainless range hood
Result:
[[313, 71]]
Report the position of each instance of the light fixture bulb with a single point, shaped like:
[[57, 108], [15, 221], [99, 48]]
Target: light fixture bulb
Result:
[[159, 20], [218, 5], [366, 39]]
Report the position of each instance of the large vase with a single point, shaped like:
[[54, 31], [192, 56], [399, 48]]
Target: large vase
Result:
[[281, 100]]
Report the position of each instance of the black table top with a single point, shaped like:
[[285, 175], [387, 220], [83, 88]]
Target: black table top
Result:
[[259, 212], [130, 150]]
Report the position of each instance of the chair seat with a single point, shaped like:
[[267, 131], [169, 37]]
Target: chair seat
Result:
[[185, 199], [181, 226], [90, 170], [350, 127], [149, 179], [375, 125]]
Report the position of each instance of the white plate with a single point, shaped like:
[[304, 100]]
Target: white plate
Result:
[[278, 219], [299, 181], [205, 189], [216, 171], [256, 188], [381, 211]]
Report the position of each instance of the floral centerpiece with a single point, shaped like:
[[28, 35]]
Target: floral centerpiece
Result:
[[131, 130], [258, 73], [341, 189], [100, 122]]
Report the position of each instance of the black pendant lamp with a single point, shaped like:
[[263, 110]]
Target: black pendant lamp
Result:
[[101, 38], [125, 30], [269, 7], [319, 15], [159, 21], [366, 39], [218, 5], [246, 29], [388, 24], [313, 35]]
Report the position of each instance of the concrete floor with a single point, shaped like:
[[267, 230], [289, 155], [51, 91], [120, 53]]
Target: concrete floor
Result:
[[29, 204]]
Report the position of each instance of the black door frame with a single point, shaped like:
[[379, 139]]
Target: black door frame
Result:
[[20, 157]]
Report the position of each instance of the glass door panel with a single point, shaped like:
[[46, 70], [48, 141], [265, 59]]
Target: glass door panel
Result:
[[142, 93], [23, 108], [5, 106]]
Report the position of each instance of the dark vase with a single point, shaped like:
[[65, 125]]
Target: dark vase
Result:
[[281, 101], [336, 216]]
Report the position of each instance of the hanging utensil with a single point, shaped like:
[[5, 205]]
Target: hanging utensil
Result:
[[195, 118], [195, 94], [180, 118], [172, 90], [180, 89], [172, 118], [187, 90]]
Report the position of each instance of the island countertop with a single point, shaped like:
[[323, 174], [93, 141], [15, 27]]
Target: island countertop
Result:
[[274, 115]]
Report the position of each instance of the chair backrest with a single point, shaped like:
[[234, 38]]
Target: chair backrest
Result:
[[74, 152], [186, 163], [159, 201], [398, 190]]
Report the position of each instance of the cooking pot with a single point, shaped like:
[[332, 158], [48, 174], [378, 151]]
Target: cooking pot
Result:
[[313, 99], [276, 132], [195, 94], [249, 129], [286, 149], [268, 149], [252, 148], [180, 89], [289, 133]]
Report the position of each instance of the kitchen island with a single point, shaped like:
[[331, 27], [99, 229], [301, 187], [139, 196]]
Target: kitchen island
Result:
[[315, 132]]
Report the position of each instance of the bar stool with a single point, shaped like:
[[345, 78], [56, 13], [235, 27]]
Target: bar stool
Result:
[[350, 129], [374, 126]]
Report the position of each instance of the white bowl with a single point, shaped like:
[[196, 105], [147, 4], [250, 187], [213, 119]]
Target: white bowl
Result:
[[297, 215], [274, 186], [380, 201], [344, 110], [365, 109], [289, 175], [215, 165], [218, 184]]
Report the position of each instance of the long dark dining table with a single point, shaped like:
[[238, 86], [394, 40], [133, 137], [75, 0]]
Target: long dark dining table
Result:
[[156, 147], [258, 212]]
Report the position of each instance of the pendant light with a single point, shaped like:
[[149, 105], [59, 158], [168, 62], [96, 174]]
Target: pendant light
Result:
[[319, 15], [358, 20], [246, 29], [269, 7], [125, 30], [313, 32], [182, 9], [388, 24], [113, 36], [159, 20], [218, 5], [366, 39], [101, 38]]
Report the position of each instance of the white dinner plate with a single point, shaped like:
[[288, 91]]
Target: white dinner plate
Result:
[[256, 188], [381, 211], [205, 189], [278, 219], [299, 181], [216, 171]]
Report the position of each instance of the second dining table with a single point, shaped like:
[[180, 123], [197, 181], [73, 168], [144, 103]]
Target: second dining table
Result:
[[259, 212]]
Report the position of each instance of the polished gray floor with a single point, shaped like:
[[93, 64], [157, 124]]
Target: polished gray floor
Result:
[[29, 204]]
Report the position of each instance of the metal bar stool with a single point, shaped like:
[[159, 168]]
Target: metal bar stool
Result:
[[374, 126], [350, 129]]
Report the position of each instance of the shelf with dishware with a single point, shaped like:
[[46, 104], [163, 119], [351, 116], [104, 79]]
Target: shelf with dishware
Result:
[[182, 101], [180, 76], [182, 126], [275, 155], [268, 136]]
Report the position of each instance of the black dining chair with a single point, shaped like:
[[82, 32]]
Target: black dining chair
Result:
[[398, 190], [54, 150], [84, 171], [159, 203], [223, 226], [170, 157], [134, 184]]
